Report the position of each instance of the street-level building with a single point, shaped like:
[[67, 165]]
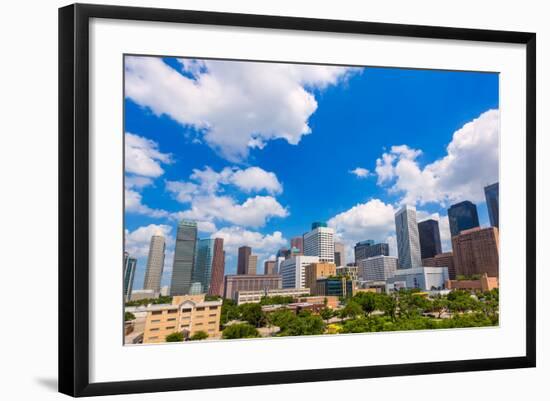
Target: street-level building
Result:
[[445, 259], [186, 314], [315, 271], [253, 282], [248, 297], [423, 278]]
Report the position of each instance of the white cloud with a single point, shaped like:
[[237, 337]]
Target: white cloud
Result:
[[235, 237], [142, 156], [256, 179], [137, 182], [235, 105], [371, 220], [471, 162], [360, 172], [133, 204], [137, 242], [254, 212]]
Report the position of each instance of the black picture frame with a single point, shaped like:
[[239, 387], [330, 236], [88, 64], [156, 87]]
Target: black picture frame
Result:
[[74, 198]]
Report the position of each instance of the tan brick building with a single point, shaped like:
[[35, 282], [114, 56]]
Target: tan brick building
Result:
[[187, 313], [315, 271], [485, 283], [476, 251]]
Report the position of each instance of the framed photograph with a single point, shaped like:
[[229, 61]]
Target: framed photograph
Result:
[[251, 199]]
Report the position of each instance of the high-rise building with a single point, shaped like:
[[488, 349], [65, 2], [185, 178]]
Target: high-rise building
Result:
[[445, 259], [218, 269], [297, 242], [462, 216], [243, 258], [430, 240], [408, 244], [155, 263], [278, 261], [476, 251], [129, 273], [204, 263], [283, 253], [320, 242], [293, 271], [368, 249], [244, 282], [339, 254], [184, 257], [252, 264], [491, 197], [316, 271], [377, 268], [269, 267]]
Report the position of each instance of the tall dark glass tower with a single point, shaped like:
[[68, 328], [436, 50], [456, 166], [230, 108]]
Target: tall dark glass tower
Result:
[[184, 258], [368, 249], [462, 216], [430, 240], [491, 196]]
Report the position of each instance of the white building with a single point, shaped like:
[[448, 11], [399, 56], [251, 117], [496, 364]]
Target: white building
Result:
[[377, 268], [408, 242], [155, 263], [423, 278], [320, 242], [293, 270], [278, 263]]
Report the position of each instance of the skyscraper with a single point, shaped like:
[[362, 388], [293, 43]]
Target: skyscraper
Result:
[[377, 268], [203, 263], [218, 269], [408, 244], [339, 254], [242, 260], [320, 242], [430, 240], [462, 216], [293, 271], [129, 272], [184, 258], [155, 263], [252, 264], [368, 249], [491, 197]]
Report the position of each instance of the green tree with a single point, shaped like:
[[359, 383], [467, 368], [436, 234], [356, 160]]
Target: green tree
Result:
[[304, 324], [230, 311], [281, 318], [253, 314], [174, 337], [439, 305], [240, 330], [462, 301], [352, 309], [129, 316], [326, 314], [367, 300], [411, 304], [199, 335], [386, 303], [212, 297]]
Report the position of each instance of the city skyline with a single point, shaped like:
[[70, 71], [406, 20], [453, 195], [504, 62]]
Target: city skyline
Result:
[[255, 199]]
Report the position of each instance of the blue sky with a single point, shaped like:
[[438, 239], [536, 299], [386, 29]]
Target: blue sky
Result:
[[257, 151]]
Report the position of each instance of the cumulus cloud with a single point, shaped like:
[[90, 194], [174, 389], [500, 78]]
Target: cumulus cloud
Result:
[[235, 237], [133, 204], [254, 212], [256, 179], [234, 105], [471, 162], [371, 220], [360, 172], [137, 242], [142, 156]]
